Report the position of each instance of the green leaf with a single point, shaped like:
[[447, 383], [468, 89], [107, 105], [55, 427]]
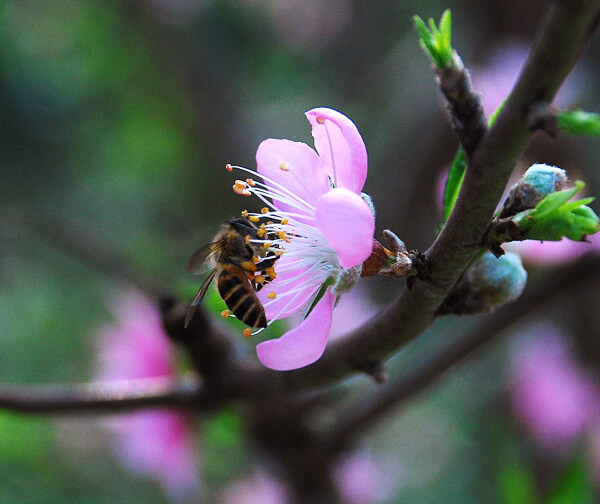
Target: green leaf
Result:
[[454, 182], [555, 217], [435, 41], [554, 201], [579, 122]]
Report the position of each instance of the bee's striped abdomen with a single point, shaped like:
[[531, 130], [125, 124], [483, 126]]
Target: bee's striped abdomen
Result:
[[240, 298]]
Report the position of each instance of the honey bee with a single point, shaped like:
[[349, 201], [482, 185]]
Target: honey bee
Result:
[[236, 266]]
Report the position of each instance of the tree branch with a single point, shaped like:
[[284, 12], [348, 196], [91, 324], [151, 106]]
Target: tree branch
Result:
[[556, 51], [106, 397], [359, 417]]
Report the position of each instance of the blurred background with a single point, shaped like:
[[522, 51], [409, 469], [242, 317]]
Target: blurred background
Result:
[[116, 121]]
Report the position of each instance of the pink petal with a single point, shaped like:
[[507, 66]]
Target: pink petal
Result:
[[289, 297], [304, 344], [303, 173], [348, 224], [340, 146]]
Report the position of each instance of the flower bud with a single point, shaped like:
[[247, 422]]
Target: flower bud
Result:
[[535, 184], [545, 179], [488, 283]]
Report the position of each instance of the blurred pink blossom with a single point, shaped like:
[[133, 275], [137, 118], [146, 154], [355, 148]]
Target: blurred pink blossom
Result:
[[554, 398], [553, 252], [356, 475], [359, 479], [155, 444], [495, 80], [261, 488]]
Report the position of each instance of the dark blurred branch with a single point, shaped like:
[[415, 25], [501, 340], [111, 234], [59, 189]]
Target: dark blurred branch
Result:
[[359, 417], [81, 244], [106, 397]]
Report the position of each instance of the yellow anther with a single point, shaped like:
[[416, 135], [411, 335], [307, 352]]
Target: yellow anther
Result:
[[265, 246], [282, 235], [259, 279], [271, 295], [242, 191], [284, 165], [249, 266], [247, 239], [264, 210], [271, 271], [262, 226], [225, 313], [261, 232], [247, 332], [254, 218], [284, 222], [321, 120], [244, 213], [255, 259], [250, 182], [228, 167]]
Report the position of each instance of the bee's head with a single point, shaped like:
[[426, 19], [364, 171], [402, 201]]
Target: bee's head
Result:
[[243, 226]]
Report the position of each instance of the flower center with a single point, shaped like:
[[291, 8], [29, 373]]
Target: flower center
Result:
[[292, 233]]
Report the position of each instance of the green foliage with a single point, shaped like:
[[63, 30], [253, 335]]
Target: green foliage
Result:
[[454, 182], [556, 217], [435, 41], [573, 485], [516, 481], [224, 447], [579, 122]]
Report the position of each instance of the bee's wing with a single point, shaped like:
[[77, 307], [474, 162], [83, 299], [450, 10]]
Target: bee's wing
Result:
[[199, 297], [197, 262]]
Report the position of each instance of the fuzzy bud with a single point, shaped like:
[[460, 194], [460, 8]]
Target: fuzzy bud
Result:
[[535, 184], [545, 179], [488, 283]]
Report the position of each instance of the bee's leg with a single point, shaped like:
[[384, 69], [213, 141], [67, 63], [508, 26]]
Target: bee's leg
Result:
[[267, 262], [249, 265]]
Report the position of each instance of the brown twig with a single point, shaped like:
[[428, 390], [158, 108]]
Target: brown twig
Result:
[[359, 417], [464, 104], [106, 397]]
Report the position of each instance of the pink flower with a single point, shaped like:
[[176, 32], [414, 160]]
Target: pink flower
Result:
[[156, 444], [554, 398], [321, 225]]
